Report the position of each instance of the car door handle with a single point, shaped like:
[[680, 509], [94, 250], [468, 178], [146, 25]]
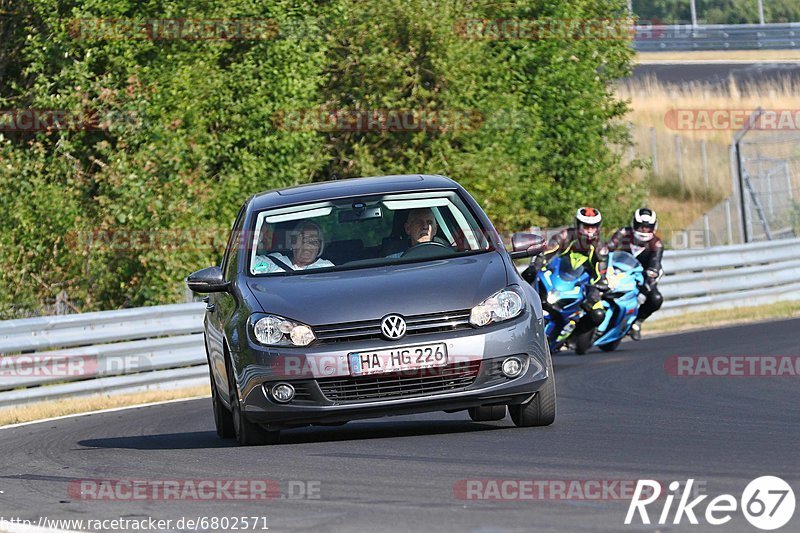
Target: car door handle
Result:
[[210, 308]]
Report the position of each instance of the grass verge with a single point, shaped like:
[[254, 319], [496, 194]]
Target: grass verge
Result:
[[723, 317], [50, 409]]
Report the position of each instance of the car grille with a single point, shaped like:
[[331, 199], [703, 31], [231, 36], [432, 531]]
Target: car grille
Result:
[[371, 329], [448, 378]]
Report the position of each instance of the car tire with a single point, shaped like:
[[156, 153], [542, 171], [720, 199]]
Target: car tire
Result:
[[583, 341], [541, 409], [247, 433], [487, 413], [223, 419], [609, 346]]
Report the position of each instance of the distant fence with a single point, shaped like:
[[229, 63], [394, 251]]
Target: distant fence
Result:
[[685, 37], [161, 347]]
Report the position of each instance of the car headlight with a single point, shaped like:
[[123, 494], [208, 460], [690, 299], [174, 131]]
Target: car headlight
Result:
[[500, 306], [273, 330]]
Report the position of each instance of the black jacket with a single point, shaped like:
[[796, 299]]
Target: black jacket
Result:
[[648, 253], [569, 240]]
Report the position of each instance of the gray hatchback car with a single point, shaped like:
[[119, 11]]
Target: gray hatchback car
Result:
[[370, 297]]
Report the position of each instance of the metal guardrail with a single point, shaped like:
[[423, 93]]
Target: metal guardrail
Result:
[[161, 347], [726, 276], [111, 352], [684, 37]]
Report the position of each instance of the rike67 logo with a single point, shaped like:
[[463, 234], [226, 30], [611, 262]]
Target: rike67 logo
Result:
[[767, 502]]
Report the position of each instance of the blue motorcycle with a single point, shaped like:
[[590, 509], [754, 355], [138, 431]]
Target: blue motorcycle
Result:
[[621, 301], [561, 286]]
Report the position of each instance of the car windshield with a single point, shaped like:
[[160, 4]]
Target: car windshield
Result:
[[364, 232]]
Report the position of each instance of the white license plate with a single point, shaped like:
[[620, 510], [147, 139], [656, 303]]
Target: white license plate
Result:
[[397, 359]]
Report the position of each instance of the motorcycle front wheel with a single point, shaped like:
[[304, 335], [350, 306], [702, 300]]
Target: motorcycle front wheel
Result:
[[582, 341]]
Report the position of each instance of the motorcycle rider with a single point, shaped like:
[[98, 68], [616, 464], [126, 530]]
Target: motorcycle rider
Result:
[[641, 241], [583, 239]]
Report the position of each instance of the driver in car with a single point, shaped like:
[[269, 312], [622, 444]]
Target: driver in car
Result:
[[307, 247], [420, 227]]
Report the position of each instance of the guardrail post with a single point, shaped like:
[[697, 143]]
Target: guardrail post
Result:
[[704, 155], [728, 222], [679, 159], [770, 201], [654, 150], [62, 305], [631, 152], [706, 232]]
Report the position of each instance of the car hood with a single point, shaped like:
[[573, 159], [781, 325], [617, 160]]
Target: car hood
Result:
[[371, 293]]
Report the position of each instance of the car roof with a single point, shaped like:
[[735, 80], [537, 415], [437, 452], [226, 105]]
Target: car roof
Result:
[[328, 190]]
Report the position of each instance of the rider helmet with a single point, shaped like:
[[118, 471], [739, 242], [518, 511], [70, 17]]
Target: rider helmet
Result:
[[644, 224], [588, 221]]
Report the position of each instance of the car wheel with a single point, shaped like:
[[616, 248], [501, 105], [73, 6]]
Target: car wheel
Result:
[[541, 410], [583, 341], [488, 413], [223, 419], [247, 433], [609, 346]]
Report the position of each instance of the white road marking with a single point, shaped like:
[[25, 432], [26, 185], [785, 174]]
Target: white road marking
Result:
[[111, 410]]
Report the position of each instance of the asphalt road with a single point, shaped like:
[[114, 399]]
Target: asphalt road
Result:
[[621, 417], [720, 74]]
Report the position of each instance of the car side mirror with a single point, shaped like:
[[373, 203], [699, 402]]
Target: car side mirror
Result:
[[526, 245], [207, 280]]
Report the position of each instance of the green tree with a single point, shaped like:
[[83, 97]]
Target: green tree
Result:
[[184, 130]]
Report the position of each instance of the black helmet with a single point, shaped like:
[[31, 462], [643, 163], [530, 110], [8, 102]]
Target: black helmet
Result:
[[644, 223]]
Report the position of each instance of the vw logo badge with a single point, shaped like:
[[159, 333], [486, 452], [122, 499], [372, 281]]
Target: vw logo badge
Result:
[[393, 327]]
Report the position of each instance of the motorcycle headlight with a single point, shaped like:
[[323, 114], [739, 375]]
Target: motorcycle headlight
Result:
[[552, 297], [500, 306], [273, 330]]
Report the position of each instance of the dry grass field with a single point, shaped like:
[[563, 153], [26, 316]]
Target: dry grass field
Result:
[[654, 108]]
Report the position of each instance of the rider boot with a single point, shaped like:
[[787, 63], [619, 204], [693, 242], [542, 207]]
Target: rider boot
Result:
[[566, 330], [636, 331]]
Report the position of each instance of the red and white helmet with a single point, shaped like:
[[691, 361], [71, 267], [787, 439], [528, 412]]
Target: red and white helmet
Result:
[[588, 217], [644, 223]]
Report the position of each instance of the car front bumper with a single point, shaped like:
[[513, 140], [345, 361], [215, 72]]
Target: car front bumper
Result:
[[327, 393]]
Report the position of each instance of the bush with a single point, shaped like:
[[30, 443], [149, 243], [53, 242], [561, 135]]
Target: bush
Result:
[[118, 215]]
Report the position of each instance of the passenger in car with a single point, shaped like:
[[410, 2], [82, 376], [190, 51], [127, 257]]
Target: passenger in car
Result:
[[420, 227], [307, 247]]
